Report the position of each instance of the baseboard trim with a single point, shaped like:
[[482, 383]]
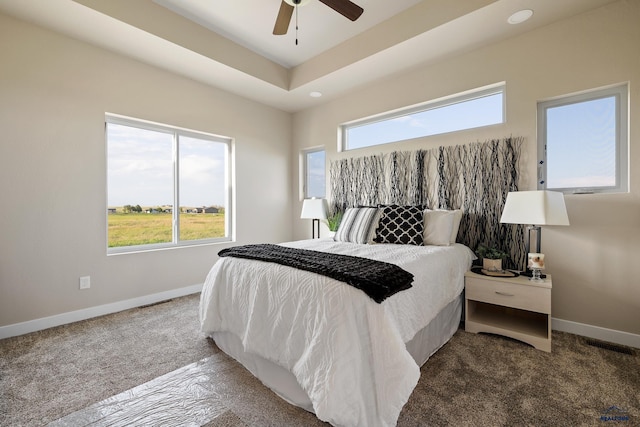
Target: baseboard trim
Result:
[[603, 334], [88, 313]]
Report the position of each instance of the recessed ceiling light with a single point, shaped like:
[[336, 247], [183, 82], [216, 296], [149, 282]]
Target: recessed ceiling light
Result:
[[520, 16], [315, 94]]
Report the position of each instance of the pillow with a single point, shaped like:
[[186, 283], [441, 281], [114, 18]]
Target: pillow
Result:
[[401, 225], [357, 226], [456, 225], [441, 226]]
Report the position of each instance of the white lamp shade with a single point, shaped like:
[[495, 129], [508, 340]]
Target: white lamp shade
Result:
[[314, 209], [535, 208]]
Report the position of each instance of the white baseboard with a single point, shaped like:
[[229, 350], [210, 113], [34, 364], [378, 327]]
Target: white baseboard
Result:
[[603, 334], [88, 313]]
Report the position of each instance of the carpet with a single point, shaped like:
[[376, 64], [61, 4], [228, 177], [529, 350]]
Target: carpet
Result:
[[474, 380]]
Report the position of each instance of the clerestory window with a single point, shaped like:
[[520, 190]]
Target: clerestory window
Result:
[[473, 109]]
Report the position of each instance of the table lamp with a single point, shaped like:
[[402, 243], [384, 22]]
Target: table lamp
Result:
[[534, 208], [315, 209]]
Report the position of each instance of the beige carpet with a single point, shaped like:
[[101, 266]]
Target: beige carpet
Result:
[[475, 380]]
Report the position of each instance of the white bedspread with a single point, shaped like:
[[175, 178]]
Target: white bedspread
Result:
[[347, 352]]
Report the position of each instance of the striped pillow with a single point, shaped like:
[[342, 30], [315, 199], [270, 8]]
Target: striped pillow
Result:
[[358, 225]]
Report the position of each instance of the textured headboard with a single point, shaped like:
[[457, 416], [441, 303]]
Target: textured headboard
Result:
[[474, 177]]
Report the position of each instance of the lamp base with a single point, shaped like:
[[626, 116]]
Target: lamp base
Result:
[[529, 273], [535, 276]]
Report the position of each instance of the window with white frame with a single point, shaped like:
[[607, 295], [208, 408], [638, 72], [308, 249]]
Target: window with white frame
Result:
[[583, 142], [166, 186], [473, 109], [313, 171]]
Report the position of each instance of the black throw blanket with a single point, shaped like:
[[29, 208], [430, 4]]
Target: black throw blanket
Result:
[[377, 279]]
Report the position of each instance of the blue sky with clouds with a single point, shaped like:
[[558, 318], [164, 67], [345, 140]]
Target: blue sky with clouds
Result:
[[141, 171], [581, 144], [468, 114]]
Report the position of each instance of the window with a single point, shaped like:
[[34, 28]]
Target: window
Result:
[[481, 107], [165, 186], [314, 182], [583, 143]]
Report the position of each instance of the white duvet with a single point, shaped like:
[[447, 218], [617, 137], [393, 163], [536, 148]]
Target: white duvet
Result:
[[346, 351]]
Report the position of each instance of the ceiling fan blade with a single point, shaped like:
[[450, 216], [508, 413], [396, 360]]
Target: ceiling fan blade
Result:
[[283, 19], [346, 8]]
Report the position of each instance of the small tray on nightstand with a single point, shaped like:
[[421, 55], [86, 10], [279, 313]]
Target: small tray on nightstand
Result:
[[503, 273]]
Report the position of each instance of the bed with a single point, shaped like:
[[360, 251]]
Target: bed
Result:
[[326, 346]]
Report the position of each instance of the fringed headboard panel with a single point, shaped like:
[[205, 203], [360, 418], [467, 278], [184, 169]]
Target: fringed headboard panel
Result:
[[475, 177]]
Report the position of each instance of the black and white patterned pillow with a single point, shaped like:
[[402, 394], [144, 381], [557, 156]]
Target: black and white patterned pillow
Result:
[[401, 225], [358, 225]]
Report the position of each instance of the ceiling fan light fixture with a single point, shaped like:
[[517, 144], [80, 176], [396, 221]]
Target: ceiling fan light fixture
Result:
[[519, 17], [297, 2]]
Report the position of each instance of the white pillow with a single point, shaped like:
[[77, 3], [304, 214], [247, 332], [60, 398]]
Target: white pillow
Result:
[[456, 225], [441, 226]]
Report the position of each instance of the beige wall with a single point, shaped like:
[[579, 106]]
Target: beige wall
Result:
[[54, 92], [592, 261]]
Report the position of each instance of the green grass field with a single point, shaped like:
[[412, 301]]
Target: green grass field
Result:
[[133, 229]]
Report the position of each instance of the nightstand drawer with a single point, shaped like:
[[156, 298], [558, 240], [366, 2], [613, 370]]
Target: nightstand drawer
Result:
[[511, 294]]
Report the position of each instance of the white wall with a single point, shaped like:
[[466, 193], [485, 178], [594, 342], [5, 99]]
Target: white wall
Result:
[[593, 261], [54, 92]]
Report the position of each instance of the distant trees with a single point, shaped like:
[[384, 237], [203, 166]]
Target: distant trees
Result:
[[130, 208], [168, 209]]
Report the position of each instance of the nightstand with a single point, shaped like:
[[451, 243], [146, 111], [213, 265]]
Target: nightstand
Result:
[[514, 307]]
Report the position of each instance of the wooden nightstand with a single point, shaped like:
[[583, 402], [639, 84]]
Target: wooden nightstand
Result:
[[514, 307]]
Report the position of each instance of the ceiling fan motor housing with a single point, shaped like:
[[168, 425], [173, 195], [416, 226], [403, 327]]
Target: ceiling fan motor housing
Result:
[[296, 2]]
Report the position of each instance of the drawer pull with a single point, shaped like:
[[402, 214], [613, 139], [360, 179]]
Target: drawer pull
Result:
[[504, 294]]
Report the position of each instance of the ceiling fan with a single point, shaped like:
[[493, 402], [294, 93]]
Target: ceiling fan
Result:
[[344, 7]]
